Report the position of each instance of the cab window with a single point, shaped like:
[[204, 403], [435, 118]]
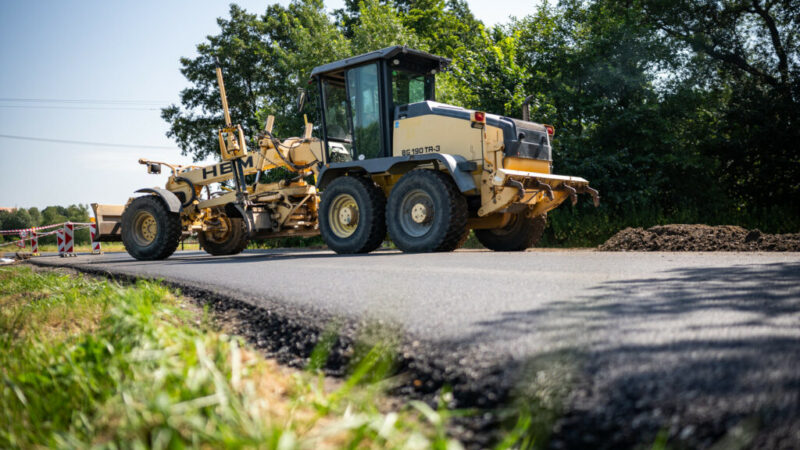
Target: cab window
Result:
[[362, 87], [407, 87], [337, 126]]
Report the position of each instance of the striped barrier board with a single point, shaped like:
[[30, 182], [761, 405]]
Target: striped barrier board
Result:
[[65, 237], [34, 243], [23, 234], [60, 241], [96, 250], [69, 239]]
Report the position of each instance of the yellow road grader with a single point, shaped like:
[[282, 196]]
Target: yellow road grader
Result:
[[390, 158]]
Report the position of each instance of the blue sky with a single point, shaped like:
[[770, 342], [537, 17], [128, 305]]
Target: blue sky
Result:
[[124, 54]]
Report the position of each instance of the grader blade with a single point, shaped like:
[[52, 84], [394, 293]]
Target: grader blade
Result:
[[109, 221], [541, 191]]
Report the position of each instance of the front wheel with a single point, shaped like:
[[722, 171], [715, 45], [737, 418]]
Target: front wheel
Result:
[[149, 230], [351, 217], [519, 233]]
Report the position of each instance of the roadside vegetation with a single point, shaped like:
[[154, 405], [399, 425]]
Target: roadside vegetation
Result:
[[678, 112], [22, 218], [86, 362]]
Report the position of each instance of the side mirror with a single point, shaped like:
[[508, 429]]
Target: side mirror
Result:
[[301, 99], [154, 168]]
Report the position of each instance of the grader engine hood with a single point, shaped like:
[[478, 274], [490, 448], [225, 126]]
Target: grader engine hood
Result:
[[523, 139]]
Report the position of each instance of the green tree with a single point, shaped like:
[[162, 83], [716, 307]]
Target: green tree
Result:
[[245, 61], [348, 18], [265, 60], [446, 28], [489, 75], [54, 214], [750, 51], [379, 27], [79, 214], [18, 219], [36, 216], [590, 69]]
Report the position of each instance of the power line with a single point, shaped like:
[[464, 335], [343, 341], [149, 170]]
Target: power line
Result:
[[95, 108], [62, 100], [99, 144]]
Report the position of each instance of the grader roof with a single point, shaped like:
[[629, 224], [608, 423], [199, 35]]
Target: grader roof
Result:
[[425, 61]]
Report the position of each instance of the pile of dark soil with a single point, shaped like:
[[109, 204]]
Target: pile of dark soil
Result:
[[694, 238]]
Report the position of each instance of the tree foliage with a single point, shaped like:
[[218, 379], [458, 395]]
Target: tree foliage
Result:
[[750, 52], [677, 110]]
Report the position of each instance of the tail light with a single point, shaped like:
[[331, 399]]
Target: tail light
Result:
[[550, 130], [478, 119]]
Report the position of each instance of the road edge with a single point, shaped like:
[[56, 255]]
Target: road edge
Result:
[[289, 334]]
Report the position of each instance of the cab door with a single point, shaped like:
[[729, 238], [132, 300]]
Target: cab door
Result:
[[365, 109]]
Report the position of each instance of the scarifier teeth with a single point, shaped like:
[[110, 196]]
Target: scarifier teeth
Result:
[[548, 191], [593, 192], [573, 195]]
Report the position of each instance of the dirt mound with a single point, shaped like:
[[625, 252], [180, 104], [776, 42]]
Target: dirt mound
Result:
[[685, 238]]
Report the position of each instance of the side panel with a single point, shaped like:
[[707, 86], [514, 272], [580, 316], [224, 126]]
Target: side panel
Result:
[[221, 171], [461, 169], [432, 133]]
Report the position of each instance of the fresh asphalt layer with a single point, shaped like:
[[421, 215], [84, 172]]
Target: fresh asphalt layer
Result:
[[704, 347]]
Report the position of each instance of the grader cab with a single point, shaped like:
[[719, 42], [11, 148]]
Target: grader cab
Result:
[[390, 159]]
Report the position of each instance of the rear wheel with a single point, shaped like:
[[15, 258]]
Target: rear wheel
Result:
[[228, 236], [426, 213], [519, 233], [352, 215], [149, 230]]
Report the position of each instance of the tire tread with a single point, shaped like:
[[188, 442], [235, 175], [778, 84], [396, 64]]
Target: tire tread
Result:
[[377, 218], [168, 241], [528, 234], [227, 248], [456, 231]]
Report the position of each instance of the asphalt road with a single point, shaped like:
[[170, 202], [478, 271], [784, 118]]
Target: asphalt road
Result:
[[702, 346]]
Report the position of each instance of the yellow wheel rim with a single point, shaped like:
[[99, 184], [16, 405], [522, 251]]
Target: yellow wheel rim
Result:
[[343, 216], [145, 228], [222, 228]]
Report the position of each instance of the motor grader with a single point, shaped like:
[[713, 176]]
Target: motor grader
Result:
[[389, 159]]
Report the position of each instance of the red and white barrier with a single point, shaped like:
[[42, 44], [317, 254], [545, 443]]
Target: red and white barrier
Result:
[[96, 250], [69, 240], [46, 227], [34, 243], [60, 241], [65, 237]]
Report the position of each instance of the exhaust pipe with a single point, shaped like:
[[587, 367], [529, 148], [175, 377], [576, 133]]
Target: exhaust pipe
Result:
[[526, 111]]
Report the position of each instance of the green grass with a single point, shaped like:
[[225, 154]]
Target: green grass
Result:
[[92, 363]]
